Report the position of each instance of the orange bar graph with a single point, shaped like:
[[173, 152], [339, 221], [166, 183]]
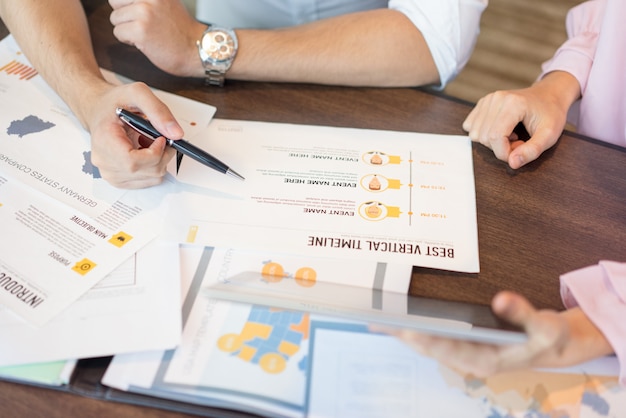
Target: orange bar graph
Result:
[[23, 71]]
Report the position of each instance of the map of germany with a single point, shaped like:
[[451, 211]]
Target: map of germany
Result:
[[88, 167], [32, 124], [29, 125]]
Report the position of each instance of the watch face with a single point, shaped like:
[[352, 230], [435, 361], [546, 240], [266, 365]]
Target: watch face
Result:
[[219, 45]]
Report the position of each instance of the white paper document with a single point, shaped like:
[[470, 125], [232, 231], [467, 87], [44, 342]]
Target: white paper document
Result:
[[64, 228], [135, 308], [44, 145], [397, 197]]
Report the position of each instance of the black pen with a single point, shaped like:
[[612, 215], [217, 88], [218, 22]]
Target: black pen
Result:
[[145, 128]]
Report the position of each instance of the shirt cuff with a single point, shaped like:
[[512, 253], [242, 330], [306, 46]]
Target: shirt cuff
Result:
[[574, 57], [600, 291]]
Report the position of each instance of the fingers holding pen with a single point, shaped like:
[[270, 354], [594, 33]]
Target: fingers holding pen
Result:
[[123, 162], [148, 106], [123, 157]]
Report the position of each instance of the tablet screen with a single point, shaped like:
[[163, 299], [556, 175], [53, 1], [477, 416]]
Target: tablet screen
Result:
[[451, 319]]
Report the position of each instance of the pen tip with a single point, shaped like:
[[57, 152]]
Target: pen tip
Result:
[[235, 174]]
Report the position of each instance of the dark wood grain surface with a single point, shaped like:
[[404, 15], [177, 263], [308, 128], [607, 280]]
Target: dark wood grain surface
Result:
[[565, 211]]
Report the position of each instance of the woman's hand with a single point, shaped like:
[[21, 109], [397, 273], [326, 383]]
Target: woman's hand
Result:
[[555, 339]]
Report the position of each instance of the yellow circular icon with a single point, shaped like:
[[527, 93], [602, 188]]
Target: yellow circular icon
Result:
[[229, 342], [272, 363], [306, 277], [273, 272]]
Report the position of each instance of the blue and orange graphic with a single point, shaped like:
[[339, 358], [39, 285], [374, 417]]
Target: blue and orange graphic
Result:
[[269, 338]]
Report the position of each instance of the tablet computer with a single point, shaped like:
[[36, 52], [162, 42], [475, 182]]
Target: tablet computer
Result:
[[434, 316]]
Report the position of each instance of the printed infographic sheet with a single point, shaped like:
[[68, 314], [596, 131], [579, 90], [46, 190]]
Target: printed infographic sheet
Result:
[[64, 228], [398, 197], [236, 355]]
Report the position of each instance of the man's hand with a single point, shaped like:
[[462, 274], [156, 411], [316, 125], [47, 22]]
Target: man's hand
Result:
[[163, 30], [124, 158]]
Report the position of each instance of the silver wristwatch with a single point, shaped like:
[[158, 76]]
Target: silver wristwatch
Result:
[[217, 49]]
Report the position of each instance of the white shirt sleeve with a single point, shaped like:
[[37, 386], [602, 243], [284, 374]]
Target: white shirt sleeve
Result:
[[450, 28]]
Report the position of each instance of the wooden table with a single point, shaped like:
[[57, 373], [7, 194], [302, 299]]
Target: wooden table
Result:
[[564, 211]]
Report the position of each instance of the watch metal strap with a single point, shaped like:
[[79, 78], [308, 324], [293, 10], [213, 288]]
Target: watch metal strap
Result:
[[214, 77]]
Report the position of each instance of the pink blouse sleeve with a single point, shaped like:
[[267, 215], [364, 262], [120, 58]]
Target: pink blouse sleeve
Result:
[[600, 291], [575, 56]]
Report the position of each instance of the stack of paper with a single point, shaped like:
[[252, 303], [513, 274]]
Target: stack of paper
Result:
[[280, 363], [77, 271], [237, 356], [56, 373]]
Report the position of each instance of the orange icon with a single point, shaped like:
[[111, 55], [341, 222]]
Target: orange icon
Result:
[[120, 239], [374, 183], [306, 277], [84, 266], [273, 272]]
